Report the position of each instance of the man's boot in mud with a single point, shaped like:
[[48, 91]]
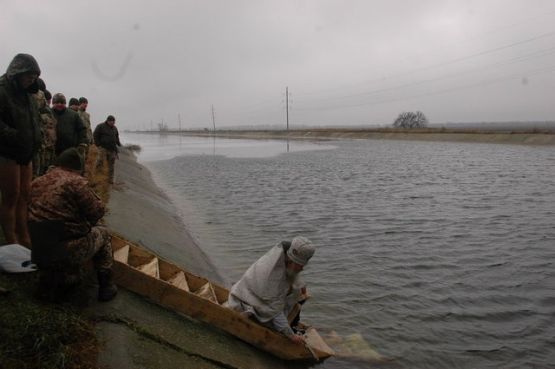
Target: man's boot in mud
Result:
[[107, 290]]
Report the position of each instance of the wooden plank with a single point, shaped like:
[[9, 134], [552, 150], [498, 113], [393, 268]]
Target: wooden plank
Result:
[[122, 254], [179, 281], [150, 268], [207, 292], [196, 307], [171, 296], [313, 339]]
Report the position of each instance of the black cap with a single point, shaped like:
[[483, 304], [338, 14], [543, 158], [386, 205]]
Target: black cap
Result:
[[83, 100], [47, 95], [110, 118], [73, 101], [42, 85]]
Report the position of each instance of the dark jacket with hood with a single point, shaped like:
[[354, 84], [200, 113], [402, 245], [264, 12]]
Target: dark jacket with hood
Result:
[[20, 134], [70, 130], [107, 137]]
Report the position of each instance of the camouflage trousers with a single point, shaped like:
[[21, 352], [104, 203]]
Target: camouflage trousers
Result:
[[96, 245], [108, 156], [42, 160]]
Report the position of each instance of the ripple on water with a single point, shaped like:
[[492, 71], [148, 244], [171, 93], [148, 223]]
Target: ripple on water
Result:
[[440, 255]]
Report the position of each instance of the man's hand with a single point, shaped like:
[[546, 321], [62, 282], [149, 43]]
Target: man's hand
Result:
[[297, 339]]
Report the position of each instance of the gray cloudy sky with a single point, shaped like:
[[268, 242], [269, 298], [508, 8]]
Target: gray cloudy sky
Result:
[[346, 62]]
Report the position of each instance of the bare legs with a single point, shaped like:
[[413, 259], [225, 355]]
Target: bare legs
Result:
[[15, 185]]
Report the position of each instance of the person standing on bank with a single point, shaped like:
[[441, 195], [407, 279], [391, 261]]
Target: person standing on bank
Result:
[[70, 130], [20, 138], [86, 118], [46, 153], [106, 137], [74, 104]]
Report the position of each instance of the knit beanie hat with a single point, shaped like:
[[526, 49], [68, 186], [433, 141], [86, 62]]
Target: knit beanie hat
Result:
[[73, 101], [59, 97], [70, 159], [301, 250], [42, 85]]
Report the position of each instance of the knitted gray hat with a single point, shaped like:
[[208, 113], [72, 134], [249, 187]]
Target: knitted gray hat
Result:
[[70, 159], [301, 250]]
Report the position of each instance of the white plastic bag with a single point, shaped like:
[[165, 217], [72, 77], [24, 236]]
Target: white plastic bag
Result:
[[15, 258]]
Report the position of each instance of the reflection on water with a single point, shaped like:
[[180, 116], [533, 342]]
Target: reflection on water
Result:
[[163, 147], [439, 255]]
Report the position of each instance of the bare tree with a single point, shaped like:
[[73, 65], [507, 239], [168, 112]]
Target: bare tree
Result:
[[411, 120]]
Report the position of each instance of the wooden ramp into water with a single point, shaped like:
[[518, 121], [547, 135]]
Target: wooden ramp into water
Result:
[[168, 285]]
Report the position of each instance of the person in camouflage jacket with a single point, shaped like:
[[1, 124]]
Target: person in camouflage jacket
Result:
[[47, 152], [86, 118], [63, 196]]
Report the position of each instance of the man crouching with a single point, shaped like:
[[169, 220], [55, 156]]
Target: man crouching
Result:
[[271, 288], [63, 216]]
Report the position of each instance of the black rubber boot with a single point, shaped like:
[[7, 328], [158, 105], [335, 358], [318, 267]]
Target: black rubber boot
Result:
[[49, 287], [107, 290]]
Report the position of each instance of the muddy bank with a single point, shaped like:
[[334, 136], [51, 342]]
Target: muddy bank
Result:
[[140, 212], [500, 137], [136, 333]]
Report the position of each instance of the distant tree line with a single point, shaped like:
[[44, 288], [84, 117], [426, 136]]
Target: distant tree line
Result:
[[411, 119]]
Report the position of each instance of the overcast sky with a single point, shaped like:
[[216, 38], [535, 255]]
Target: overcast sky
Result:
[[345, 62]]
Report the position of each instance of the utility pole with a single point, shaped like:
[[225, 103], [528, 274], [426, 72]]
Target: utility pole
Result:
[[287, 106], [213, 120]]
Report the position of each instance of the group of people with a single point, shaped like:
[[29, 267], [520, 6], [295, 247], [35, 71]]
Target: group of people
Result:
[[58, 213], [46, 202]]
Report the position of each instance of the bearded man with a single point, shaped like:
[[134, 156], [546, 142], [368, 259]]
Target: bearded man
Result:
[[271, 287]]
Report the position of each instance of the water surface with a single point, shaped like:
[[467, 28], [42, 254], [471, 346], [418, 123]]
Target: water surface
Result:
[[440, 254]]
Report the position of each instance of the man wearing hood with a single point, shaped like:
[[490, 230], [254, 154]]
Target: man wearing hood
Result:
[[70, 130], [270, 288], [20, 139]]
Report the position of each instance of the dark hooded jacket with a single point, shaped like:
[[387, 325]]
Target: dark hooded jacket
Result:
[[107, 137], [70, 130], [20, 135]]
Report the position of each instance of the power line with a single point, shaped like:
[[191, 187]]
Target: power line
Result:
[[458, 60], [539, 53], [440, 92], [429, 67]]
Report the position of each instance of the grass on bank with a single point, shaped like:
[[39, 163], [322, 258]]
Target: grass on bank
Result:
[[37, 335]]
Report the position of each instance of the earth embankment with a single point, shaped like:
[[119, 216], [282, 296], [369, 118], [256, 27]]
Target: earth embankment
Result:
[[500, 137], [136, 333]]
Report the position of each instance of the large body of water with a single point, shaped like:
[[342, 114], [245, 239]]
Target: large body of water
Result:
[[441, 255]]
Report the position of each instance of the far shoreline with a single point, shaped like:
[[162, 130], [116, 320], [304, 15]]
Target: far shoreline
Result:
[[519, 137]]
